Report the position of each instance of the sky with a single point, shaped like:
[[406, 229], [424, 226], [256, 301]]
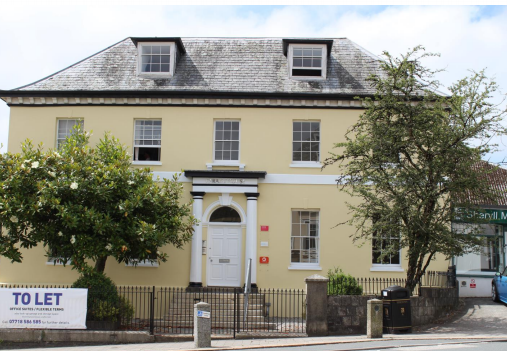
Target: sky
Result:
[[39, 39]]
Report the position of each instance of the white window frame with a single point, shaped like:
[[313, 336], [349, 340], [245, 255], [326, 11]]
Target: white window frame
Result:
[[305, 265], [227, 162], [59, 141], [386, 267], [55, 261], [172, 60], [143, 263], [323, 66], [51, 261], [306, 164], [135, 148]]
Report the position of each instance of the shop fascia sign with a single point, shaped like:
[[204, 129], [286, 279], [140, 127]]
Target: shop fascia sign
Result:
[[486, 215]]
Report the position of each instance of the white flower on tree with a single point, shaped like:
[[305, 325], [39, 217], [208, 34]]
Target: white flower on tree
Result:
[[52, 174], [35, 164], [73, 239], [109, 247], [73, 186], [60, 234], [14, 219]]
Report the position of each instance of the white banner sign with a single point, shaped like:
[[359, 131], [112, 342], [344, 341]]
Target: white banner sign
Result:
[[43, 308]]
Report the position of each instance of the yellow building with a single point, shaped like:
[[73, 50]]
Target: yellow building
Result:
[[250, 121]]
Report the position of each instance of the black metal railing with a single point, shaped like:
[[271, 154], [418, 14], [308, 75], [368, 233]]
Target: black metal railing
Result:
[[275, 311], [175, 309], [170, 310], [267, 311], [362, 286], [435, 279], [374, 286]]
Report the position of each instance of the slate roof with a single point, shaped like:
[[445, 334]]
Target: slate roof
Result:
[[246, 65]]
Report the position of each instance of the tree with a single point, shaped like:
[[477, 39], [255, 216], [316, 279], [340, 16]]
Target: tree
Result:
[[412, 157], [86, 203]]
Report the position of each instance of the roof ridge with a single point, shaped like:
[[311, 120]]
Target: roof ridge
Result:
[[72, 65], [273, 38]]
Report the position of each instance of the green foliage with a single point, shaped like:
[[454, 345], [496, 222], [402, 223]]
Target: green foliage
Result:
[[85, 202], [104, 303], [126, 310], [103, 311], [100, 287], [414, 155], [342, 284]]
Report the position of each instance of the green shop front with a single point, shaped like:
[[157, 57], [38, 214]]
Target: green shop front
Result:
[[475, 271]]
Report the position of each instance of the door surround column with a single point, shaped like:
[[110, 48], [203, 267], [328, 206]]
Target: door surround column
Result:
[[251, 235], [196, 251]]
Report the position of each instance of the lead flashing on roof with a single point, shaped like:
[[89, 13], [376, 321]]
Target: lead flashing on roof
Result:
[[177, 40], [327, 42]]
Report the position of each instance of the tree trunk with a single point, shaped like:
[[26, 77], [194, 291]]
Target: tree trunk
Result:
[[100, 264]]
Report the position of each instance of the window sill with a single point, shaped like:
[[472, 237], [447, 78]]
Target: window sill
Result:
[[210, 166], [307, 77], [305, 267], [143, 264], [52, 263], [155, 75], [306, 165], [386, 268], [146, 163]]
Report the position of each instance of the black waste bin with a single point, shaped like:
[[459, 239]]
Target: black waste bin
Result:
[[397, 313]]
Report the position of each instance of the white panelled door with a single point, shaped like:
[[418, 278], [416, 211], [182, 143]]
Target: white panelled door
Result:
[[224, 255]]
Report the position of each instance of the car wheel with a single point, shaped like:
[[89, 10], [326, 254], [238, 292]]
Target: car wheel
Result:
[[494, 293]]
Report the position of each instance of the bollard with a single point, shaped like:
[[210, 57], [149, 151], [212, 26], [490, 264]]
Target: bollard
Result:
[[374, 319], [202, 325]]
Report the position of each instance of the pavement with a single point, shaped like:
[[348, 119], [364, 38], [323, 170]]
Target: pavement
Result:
[[479, 320]]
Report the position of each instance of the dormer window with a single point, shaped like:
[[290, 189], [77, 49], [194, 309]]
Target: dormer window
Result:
[[307, 61], [307, 58], [156, 59]]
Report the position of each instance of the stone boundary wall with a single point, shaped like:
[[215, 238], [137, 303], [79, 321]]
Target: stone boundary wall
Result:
[[433, 303], [347, 313]]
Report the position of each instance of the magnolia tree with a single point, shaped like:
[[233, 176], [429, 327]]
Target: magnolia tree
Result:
[[412, 158], [86, 203]]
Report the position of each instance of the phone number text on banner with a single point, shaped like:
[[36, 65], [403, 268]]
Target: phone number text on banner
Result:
[[43, 308]]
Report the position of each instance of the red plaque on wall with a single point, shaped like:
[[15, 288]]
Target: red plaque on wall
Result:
[[263, 259], [264, 228]]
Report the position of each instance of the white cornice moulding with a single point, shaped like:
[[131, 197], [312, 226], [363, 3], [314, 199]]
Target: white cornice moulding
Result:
[[303, 179], [84, 101]]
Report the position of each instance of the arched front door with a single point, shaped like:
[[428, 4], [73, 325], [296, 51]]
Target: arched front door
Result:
[[224, 248]]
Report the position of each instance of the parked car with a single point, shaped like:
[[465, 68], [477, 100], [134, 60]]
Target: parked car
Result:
[[499, 287]]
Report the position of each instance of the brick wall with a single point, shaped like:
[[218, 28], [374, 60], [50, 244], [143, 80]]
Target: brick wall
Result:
[[347, 314]]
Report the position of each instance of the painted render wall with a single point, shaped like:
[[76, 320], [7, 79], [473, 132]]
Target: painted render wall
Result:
[[187, 132], [187, 143]]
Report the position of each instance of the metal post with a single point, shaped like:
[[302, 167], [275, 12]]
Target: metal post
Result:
[[234, 317], [152, 311], [248, 289]]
